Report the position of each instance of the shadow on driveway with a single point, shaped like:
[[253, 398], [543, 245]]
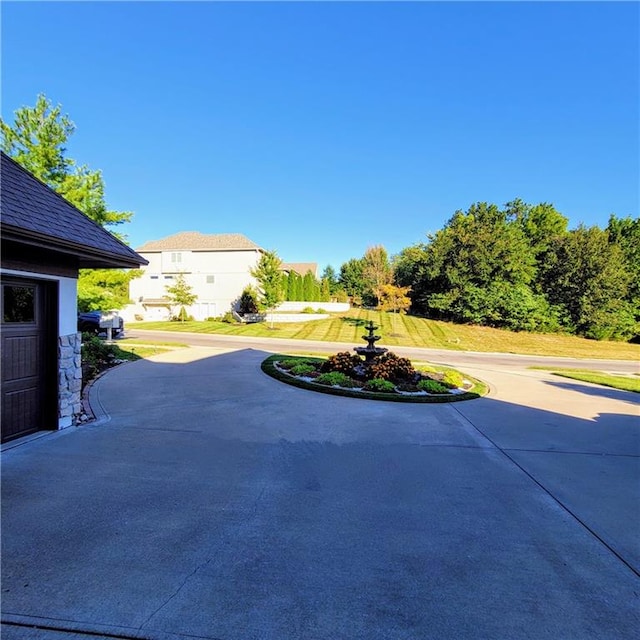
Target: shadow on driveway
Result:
[[214, 501]]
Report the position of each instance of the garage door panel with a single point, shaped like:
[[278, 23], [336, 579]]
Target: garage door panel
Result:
[[21, 357], [21, 412]]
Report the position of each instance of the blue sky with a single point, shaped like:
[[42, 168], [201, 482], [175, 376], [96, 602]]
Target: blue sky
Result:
[[319, 129]]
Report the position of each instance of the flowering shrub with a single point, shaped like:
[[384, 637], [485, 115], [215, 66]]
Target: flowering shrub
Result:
[[342, 362], [389, 366]]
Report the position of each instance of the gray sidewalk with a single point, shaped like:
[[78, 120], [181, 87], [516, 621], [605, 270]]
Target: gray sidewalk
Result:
[[212, 501]]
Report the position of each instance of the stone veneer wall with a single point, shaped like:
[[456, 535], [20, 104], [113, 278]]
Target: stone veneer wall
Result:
[[69, 379]]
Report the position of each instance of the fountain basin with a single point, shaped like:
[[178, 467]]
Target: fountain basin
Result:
[[370, 352]]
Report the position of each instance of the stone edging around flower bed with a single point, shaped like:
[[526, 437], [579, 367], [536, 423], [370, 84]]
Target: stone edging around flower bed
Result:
[[269, 367]]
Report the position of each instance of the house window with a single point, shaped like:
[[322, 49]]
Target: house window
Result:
[[176, 258], [211, 279], [168, 277], [18, 304], [154, 277]]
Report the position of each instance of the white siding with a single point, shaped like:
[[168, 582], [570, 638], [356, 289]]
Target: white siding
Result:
[[229, 270], [67, 299]]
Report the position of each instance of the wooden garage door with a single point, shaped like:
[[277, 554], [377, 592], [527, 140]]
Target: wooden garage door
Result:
[[26, 360]]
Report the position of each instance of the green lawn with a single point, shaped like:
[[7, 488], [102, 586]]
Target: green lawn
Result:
[[411, 331], [128, 349], [623, 383]]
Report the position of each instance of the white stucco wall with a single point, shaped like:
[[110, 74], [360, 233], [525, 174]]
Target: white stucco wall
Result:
[[297, 306], [68, 295], [229, 270]]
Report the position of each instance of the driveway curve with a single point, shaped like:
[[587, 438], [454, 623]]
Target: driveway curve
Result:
[[209, 500]]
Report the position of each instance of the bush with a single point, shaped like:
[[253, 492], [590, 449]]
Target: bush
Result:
[[342, 362], [302, 369], [432, 386], [452, 379], [97, 355], [320, 311], [308, 310], [248, 302], [378, 384], [335, 378], [389, 366], [289, 363], [227, 317]]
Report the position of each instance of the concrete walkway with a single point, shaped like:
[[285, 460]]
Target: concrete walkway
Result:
[[211, 501]]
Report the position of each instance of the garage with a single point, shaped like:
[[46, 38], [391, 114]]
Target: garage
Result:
[[45, 242]]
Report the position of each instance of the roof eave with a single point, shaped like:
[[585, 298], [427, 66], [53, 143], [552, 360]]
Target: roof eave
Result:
[[88, 257]]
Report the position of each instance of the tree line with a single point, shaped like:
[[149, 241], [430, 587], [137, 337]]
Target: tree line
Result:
[[516, 267]]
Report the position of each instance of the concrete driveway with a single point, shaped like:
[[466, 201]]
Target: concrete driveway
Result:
[[210, 501]]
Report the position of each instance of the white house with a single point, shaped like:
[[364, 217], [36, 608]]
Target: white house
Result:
[[45, 241], [216, 267]]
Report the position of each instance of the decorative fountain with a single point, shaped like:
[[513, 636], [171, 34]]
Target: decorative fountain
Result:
[[370, 351]]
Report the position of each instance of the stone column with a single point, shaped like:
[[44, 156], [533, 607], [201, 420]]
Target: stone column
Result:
[[69, 379]]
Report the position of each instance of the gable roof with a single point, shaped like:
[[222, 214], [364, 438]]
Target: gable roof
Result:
[[34, 214], [300, 267], [196, 241]]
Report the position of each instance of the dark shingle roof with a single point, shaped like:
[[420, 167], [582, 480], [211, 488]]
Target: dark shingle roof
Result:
[[34, 214], [196, 241]]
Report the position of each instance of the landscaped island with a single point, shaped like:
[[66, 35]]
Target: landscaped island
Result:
[[374, 373], [389, 378]]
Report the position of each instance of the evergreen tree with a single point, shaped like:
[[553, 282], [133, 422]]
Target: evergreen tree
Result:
[[329, 274], [299, 288], [308, 293], [37, 141], [351, 278], [291, 285], [267, 273], [325, 290], [248, 303]]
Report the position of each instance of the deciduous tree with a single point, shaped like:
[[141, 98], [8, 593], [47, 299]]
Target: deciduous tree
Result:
[[104, 289], [376, 270], [181, 294], [394, 298], [587, 277]]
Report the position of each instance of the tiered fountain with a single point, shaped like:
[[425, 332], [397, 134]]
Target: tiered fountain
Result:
[[370, 351]]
